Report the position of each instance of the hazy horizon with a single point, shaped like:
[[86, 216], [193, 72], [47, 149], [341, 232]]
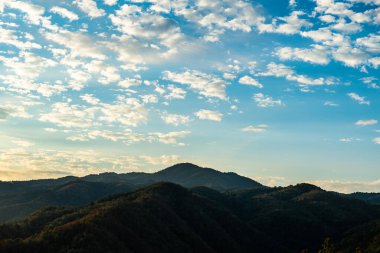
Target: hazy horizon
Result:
[[282, 92]]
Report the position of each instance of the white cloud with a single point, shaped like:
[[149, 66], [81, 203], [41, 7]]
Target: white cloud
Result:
[[218, 16], [129, 112], [33, 13], [376, 140], [175, 119], [27, 66], [280, 70], [147, 34], [206, 84], [149, 99], [89, 7], [375, 62], [367, 122], [351, 57], [287, 25], [110, 2], [171, 137], [162, 160], [129, 82], [108, 73], [9, 37], [127, 137], [348, 186], [19, 164], [345, 27], [247, 80], [67, 115], [327, 18], [330, 103], [175, 93], [255, 129], [359, 99], [277, 70], [80, 44], [375, 2], [209, 115], [13, 110], [23, 143], [89, 98], [333, 8], [349, 139], [65, 13], [266, 101], [317, 55]]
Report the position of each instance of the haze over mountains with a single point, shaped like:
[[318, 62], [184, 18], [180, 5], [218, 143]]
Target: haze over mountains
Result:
[[196, 210]]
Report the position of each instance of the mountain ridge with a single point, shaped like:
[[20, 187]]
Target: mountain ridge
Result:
[[20, 198], [166, 217]]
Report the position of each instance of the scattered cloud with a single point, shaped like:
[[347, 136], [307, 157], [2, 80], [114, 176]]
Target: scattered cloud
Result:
[[291, 24], [207, 85], [65, 13], [175, 119], [247, 80], [376, 140], [171, 137], [367, 122], [280, 70], [330, 103], [209, 115], [361, 100], [161, 160], [255, 129], [349, 139], [90, 8], [348, 186], [266, 101], [316, 55], [23, 143]]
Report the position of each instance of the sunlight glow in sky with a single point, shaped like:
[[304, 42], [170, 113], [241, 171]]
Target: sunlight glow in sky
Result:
[[280, 91]]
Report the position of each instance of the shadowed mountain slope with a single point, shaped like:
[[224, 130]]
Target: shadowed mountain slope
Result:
[[165, 217], [161, 218], [18, 199]]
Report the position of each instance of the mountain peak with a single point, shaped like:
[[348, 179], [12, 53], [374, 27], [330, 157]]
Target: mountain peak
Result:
[[183, 166], [191, 175]]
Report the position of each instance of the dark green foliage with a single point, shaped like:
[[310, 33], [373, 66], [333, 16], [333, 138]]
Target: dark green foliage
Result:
[[370, 197], [166, 217], [161, 218], [222, 212], [328, 247], [363, 239]]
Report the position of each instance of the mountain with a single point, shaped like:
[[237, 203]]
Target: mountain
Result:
[[165, 217], [161, 218], [18, 199], [190, 175], [370, 197], [365, 238], [185, 174], [303, 215]]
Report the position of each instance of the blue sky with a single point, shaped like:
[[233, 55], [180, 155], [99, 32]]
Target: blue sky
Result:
[[280, 91]]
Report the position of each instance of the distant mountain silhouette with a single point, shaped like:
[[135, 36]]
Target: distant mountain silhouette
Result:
[[18, 199], [190, 175], [370, 197], [185, 174], [165, 217]]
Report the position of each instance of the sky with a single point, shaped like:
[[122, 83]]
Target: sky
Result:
[[279, 91]]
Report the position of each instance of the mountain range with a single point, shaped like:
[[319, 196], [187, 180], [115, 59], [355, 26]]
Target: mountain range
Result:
[[184, 208]]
